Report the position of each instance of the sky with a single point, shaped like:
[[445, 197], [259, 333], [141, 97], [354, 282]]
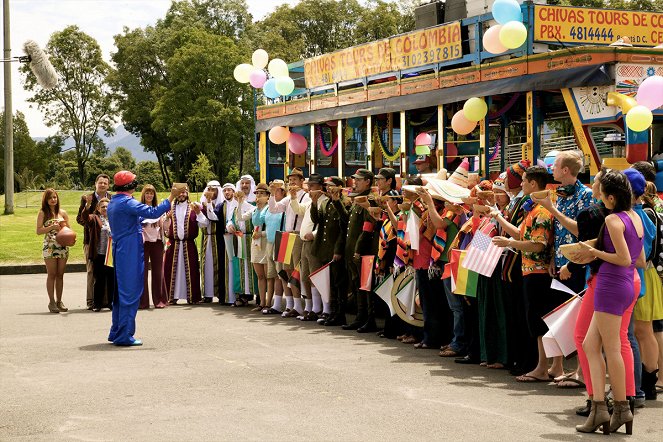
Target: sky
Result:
[[102, 19]]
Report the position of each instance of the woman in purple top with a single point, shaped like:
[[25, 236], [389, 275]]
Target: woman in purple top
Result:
[[620, 248]]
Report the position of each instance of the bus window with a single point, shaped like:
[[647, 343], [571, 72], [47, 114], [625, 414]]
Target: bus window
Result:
[[355, 147], [277, 154], [320, 158]]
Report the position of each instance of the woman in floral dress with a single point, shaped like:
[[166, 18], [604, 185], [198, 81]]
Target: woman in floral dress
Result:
[[49, 222]]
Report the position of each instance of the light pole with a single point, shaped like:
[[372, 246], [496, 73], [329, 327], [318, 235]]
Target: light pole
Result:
[[9, 122]]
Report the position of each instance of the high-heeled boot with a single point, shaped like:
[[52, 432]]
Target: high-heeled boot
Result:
[[621, 415], [649, 379], [598, 416]]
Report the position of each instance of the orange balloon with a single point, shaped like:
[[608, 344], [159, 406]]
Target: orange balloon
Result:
[[278, 134], [461, 125]]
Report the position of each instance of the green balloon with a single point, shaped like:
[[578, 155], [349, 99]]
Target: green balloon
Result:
[[285, 85]]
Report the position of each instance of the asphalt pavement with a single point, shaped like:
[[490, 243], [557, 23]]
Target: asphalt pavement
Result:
[[218, 373]]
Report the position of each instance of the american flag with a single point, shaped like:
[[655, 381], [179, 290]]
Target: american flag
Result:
[[482, 255]]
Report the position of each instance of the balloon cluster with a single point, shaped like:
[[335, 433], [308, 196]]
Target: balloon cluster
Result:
[[296, 143], [422, 143], [648, 98], [275, 82], [510, 33], [466, 119]]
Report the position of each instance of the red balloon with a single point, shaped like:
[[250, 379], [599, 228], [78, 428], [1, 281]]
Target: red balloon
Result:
[[297, 143], [450, 150], [66, 237]]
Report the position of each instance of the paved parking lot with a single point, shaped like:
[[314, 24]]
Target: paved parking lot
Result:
[[217, 373]]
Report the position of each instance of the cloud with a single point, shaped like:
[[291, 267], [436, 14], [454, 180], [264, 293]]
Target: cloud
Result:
[[101, 19]]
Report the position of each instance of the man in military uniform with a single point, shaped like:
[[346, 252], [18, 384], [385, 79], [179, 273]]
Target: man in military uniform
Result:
[[329, 245], [359, 241]]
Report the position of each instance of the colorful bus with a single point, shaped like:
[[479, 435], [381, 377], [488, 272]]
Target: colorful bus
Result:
[[363, 107]]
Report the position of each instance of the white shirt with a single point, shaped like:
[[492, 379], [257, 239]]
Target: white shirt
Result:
[[307, 222], [180, 214], [290, 214]]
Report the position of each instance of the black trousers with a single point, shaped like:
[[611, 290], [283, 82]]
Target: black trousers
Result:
[[104, 282]]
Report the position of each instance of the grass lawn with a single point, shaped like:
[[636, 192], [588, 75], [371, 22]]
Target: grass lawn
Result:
[[19, 244]]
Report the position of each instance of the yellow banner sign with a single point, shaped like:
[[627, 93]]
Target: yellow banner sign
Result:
[[428, 46], [347, 64], [555, 24], [419, 48]]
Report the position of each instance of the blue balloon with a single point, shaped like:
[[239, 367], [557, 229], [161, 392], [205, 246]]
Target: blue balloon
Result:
[[269, 89], [505, 11], [549, 160], [355, 122]]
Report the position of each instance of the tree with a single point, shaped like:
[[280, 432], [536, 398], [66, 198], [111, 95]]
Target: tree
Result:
[[27, 179], [229, 18], [125, 157], [201, 173], [149, 172], [141, 71], [81, 104], [36, 157], [203, 109]]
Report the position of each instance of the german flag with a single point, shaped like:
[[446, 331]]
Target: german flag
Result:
[[283, 246], [295, 278]]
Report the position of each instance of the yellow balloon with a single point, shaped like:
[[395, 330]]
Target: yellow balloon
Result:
[[639, 118], [260, 58], [242, 72], [513, 35], [278, 68], [475, 109]]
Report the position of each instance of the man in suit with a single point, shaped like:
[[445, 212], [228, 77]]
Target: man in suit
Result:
[[359, 241], [329, 246], [89, 202]]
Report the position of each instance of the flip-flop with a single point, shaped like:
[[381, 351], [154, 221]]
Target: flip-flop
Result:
[[529, 378], [659, 389], [571, 383]]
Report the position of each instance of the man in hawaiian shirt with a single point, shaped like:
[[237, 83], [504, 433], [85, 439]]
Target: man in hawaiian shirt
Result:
[[572, 197]]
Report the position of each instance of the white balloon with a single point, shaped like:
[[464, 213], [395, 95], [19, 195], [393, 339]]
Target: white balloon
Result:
[[242, 72], [278, 68], [260, 58]]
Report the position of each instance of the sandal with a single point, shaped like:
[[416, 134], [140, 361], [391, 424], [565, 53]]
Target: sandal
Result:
[[240, 302], [257, 308], [531, 379], [409, 340], [571, 383], [421, 345], [449, 353]]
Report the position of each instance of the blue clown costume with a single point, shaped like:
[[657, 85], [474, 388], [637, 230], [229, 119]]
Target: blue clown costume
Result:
[[124, 214]]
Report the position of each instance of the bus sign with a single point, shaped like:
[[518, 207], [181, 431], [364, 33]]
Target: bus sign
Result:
[[555, 24]]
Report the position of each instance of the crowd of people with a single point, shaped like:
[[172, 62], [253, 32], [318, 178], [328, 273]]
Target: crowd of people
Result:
[[261, 244]]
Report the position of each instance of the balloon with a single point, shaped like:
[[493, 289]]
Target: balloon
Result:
[[349, 132], [285, 85], [355, 122], [461, 125], [242, 72], [451, 151], [549, 160], [422, 150], [279, 134], [650, 92], [505, 11], [297, 144], [513, 35], [278, 68], [639, 118], [257, 78], [475, 109], [423, 139], [269, 89], [491, 40], [260, 58]]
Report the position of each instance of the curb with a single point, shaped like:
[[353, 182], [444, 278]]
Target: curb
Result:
[[37, 269]]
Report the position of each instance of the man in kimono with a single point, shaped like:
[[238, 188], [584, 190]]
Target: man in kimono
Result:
[[181, 269], [124, 213]]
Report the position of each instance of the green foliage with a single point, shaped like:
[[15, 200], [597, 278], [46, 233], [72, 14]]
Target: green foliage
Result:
[[201, 173], [148, 172], [81, 104]]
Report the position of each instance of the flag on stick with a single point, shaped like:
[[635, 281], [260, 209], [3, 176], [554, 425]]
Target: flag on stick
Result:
[[561, 324], [407, 297], [321, 280], [412, 230], [283, 246], [295, 278], [109, 252], [466, 280], [384, 292], [482, 255], [241, 245], [366, 272]]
